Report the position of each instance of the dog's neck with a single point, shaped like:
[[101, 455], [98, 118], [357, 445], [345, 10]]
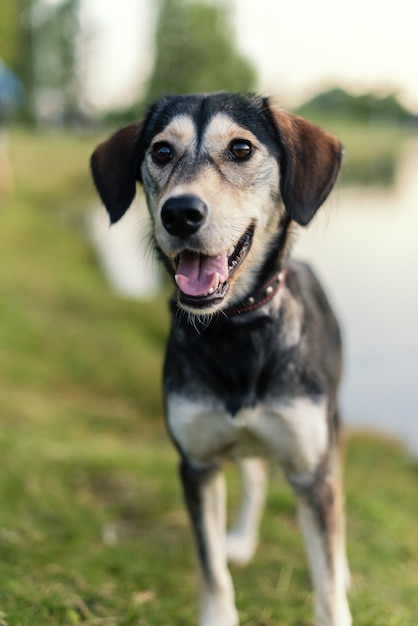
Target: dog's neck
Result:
[[261, 296], [272, 276]]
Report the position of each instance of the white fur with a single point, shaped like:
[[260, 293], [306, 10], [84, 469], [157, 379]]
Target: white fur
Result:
[[242, 540], [295, 432], [331, 606], [217, 605], [179, 132]]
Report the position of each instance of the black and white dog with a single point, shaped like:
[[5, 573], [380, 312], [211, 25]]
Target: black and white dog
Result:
[[254, 356]]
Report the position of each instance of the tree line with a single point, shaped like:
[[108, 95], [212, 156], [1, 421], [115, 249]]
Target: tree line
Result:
[[194, 50]]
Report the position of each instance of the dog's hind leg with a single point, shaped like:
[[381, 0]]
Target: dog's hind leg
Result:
[[341, 550], [242, 540], [321, 519], [205, 495]]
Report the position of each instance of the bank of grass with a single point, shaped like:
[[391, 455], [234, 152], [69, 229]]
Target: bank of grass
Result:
[[92, 526], [371, 150]]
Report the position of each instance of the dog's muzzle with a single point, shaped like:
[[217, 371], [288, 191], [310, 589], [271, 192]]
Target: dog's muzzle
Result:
[[203, 280]]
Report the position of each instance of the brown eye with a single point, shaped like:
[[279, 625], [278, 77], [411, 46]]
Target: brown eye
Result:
[[162, 152], [239, 150]]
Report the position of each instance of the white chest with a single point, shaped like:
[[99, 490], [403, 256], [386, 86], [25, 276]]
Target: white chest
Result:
[[293, 431]]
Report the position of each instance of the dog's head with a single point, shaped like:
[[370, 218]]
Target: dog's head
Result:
[[224, 175]]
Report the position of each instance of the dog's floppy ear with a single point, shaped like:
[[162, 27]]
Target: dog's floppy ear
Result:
[[310, 160], [115, 168]]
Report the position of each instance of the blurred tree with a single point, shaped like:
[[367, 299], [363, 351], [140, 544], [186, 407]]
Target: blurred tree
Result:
[[39, 41], [15, 39], [366, 107], [195, 51], [55, 32]]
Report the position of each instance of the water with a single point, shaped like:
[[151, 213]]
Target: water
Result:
[[125, 252], [365, 248]]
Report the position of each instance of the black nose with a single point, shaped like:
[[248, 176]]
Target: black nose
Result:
[[183, 215]]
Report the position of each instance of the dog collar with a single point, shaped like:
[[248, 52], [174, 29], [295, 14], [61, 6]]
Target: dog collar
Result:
[[262, 296]]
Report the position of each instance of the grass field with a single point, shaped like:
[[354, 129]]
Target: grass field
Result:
[[92, 526]]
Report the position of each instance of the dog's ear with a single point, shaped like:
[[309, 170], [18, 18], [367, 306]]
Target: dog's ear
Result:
[[310, 160], [115, 168]]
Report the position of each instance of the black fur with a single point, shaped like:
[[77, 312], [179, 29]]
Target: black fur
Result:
[[193, 480], [242, 359]]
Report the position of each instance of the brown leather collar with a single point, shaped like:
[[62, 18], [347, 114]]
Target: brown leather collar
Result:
[[260, 297]]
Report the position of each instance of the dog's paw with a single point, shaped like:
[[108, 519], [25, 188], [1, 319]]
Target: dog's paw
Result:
[[347, 576], [240, 549], [336, 613], [219, 615]]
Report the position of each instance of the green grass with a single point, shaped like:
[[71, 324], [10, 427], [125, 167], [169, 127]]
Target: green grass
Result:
[[92, 526]]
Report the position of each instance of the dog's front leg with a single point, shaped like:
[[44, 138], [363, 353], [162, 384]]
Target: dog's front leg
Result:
[[321, 519], [204, 491], [242, 540]]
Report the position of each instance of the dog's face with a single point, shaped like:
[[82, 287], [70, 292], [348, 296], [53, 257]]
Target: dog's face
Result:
[[223, 175]]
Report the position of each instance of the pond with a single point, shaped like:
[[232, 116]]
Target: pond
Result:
[[364, 247]]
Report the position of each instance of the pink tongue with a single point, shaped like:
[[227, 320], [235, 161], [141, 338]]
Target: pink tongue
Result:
[[196, 273]]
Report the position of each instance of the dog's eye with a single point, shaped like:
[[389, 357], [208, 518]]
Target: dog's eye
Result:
[[239, 149], [162, 152]]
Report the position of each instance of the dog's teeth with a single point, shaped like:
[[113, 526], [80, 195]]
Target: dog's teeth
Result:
[[231, 251], [216, 282], [210, 292], [176, 278]]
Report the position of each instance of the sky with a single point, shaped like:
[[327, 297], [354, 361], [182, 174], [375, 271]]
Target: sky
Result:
[[297, 47]]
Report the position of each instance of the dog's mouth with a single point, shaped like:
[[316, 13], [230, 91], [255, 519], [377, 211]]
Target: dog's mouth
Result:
[[204, 280]]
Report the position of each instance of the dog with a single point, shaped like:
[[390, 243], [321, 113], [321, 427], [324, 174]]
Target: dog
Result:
[[253, 360]]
